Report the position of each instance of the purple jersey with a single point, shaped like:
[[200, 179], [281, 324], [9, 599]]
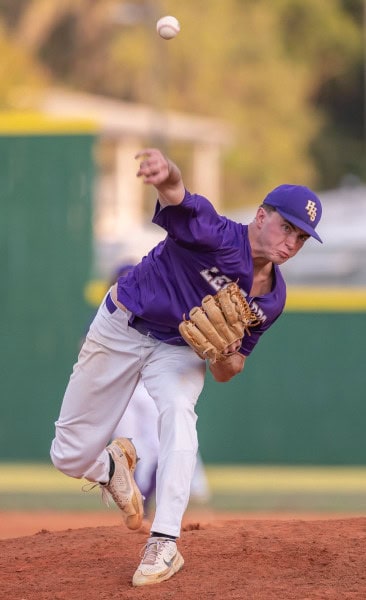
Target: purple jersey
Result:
[[202, 252]]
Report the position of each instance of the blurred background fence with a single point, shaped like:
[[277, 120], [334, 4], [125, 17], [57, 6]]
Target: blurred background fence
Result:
[[46, 183], [300, 400]]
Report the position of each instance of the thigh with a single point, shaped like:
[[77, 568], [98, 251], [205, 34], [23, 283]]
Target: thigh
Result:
[[103, 378], [174, 374]]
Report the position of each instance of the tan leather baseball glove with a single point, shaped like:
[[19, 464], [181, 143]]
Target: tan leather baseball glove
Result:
[[221, 320]]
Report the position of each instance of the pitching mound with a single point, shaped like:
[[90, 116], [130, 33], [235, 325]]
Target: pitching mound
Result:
[[231, 559]]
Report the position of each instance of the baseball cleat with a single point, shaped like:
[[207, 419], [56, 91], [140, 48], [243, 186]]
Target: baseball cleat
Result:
[[122, 486], [161, 560]]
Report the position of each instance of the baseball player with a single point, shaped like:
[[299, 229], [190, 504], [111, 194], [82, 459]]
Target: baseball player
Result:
[[212, 270]]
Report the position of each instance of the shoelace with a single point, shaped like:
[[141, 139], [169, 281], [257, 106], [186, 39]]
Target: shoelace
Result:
[[152, 551], [106, 497]]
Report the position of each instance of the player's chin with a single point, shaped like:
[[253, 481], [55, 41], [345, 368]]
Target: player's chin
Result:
[[279, 260]]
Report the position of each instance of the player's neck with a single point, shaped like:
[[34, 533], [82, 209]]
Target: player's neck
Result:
[[262, 277], [261, 262]]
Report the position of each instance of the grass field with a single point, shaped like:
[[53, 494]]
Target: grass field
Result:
[[241, 488]]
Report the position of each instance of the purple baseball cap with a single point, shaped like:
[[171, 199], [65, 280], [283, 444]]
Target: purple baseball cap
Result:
[[298, 205]]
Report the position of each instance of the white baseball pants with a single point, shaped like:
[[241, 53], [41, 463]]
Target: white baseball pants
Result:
[[112, 360]]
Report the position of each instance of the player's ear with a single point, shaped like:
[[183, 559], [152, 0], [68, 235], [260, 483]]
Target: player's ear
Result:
[[260, 216]]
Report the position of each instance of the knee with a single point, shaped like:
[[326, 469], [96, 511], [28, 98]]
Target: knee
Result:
[[66, 466], [177, 425], [179, 415], [66, 462]]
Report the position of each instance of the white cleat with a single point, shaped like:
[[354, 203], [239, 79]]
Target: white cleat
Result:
[[161, 560], [122, 486]]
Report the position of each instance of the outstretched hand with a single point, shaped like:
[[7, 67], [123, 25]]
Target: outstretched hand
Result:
[[159, 171], [154, 166]]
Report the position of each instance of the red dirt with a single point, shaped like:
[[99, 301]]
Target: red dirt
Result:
[[232, 559]]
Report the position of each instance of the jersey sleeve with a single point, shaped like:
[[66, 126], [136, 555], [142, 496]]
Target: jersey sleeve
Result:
[[250, 341], [268, 309], [194, 222]]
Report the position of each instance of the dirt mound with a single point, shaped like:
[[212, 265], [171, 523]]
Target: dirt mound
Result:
[[232, 559]]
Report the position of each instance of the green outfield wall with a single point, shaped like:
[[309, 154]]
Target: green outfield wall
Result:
[[302, 396], [46, 184]]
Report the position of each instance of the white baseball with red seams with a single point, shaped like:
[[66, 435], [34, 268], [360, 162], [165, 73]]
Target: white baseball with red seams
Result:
[[168, 27]]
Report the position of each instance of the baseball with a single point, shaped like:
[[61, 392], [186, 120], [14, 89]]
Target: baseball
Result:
[[168, 27]]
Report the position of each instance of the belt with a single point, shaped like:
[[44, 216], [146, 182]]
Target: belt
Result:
[[140, 326], [111, 307], [137, 323]]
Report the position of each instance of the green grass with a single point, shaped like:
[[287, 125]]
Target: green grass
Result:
[[233, 488]]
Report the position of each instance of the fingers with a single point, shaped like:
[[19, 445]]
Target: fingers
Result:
[[147, 152], [232, 348], [154, 166]]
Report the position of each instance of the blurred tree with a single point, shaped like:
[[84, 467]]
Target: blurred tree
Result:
[[332, 48], [21, 77], [287, 74]]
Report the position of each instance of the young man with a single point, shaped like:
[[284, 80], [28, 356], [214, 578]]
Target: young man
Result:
[[135, 336]]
